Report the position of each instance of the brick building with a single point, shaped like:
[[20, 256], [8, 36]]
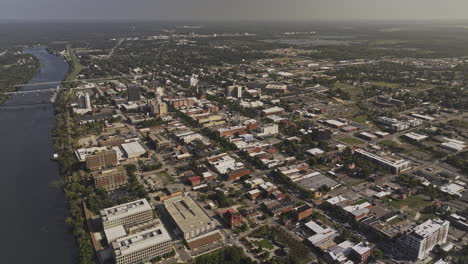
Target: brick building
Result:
[[101, 159], [110, 179]]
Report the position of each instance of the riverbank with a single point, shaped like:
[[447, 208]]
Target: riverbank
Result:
[[73, 188], [75, 66], [16, 72]]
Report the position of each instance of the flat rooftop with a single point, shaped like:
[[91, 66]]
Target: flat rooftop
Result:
[[123, 210], [315, 180], [141, 240], [104, 172], [186, 213], [133, 148], [430, 226]]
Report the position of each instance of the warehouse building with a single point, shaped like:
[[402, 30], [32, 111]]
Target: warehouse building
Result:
[[133, 149], [189, 218]]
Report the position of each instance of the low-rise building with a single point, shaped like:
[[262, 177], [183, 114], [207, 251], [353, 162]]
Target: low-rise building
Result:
[[323, 236], [272, 111], [335, 123], [159, 141], [133, 149], [367, 136], [394, 166], [415, 136], [268, 130], [303, 212]]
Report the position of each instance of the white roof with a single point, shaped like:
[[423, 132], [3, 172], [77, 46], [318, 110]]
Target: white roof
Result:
[[352, 208], [115, 232], [141, 240], [337, 199], [315, 151], [254, 191], [335, 122], [273, 109], [316, 228], [430, 226], [415, 136], [453, 188], [361, 248], [122, 210], [133, 148]]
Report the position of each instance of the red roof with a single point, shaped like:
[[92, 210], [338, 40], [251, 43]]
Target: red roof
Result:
[[194, 179], [272, 150]]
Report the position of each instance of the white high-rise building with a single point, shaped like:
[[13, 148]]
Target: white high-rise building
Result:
[[425, 237], [142, 247], [87, 101], [84, 101], [128, 214], [194, 80]]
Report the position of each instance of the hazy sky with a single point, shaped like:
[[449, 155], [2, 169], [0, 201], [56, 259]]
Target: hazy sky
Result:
[[235, 9]]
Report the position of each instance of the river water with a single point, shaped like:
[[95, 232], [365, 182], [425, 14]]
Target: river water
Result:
[[32, 204]]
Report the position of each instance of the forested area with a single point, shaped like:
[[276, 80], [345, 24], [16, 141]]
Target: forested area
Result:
[[16, 69]]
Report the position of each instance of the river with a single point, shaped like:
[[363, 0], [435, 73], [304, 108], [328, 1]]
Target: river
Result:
[[32, 204]]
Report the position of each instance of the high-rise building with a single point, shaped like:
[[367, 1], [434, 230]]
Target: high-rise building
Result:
[[194, 80], [158, 109], [142, 247], [425, 237], [110, 179], [234, 91], [84, 101], [133, 92], [127, 215], [87, 101], [101, 159]]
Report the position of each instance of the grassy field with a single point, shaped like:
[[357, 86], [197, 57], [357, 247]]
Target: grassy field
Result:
[[360, 119], [459, 123], [351, 89], [352, 141], [387, 42], [396, 146], [385, 84], [165, 177], [75, 66], [411, 205], [425, 217], [264, 243]]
